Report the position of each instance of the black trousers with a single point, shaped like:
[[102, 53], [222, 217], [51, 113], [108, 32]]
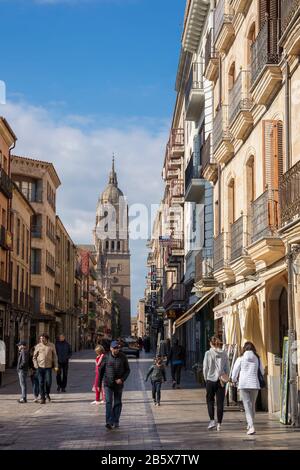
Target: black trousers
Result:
[[156, 388], [62, 374], [215, 389], [176, 373]]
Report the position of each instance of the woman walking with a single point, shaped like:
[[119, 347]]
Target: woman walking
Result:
[[248, 372], [215, 372], [100, 353]]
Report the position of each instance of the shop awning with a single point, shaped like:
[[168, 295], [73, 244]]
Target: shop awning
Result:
[[195, 308], [255, 287]]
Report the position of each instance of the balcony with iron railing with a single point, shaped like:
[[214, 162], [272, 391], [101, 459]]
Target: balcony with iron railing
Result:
[[211, 60], [266, 75], [222, 137], [223, 26], [176, 143], [36, 231], [204, 265], [240, 104], [6, 184], [5, 291], [290, 11], [3, 232], [209, 166], [265, 216], [177, 192], [241, 262], [194, 182], [222, 252], [174, 297], [194, 93], [289, 195], [266, 245]]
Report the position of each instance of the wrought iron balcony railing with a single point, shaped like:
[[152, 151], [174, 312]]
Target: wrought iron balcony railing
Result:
[[176, 141], [195, 81], [264, 51], [206, 154], [239, 239], [5, 291], [265, 216], [177, 188], [221, 17], [175, 294], [221, 127], [289, 8], [221, 250], [36, 231], [192, 171], [210, 52], [5, 184], [289, 195], [239, 95], [204, 264]]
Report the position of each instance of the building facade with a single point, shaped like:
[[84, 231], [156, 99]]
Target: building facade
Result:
[[20, 220], [38, 181], [7, 142], [111, 240]]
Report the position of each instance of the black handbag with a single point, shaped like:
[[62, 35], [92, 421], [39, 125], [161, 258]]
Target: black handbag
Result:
[[262, 382]]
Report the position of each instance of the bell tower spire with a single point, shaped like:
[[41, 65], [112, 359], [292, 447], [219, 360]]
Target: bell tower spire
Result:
[[113, 175]]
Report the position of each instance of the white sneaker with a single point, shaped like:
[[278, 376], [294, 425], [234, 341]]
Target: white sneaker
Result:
[[95, 403], [251, 431], [100, 402], [218, 427], [212, 424]]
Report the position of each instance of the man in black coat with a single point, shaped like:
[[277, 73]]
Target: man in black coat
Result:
[[22, 369], [64, 352], [114, 370]]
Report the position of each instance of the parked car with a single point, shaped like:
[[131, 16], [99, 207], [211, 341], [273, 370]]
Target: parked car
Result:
[[130, 348]]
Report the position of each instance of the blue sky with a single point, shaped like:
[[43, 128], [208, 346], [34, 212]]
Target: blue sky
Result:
[[86, 78]]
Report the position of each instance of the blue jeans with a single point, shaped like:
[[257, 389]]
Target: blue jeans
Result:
[[113, 397], [45, 381], [156, 387], [35, 384], [23, 382]]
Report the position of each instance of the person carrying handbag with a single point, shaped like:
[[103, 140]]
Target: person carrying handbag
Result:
[[248, 372], [215, 372]]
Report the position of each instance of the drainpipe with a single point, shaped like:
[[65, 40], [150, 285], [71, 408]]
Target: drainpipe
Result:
[[287, 115], [292, 341]]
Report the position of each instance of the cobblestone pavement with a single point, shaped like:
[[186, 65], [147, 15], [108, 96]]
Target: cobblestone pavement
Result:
[[71, 422]]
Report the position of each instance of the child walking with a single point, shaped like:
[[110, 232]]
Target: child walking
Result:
[[100, 353], [157, 373]]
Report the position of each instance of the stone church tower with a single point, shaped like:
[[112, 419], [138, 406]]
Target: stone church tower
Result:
[[111, 238]]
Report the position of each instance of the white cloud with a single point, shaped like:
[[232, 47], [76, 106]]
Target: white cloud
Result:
[[82, 158]]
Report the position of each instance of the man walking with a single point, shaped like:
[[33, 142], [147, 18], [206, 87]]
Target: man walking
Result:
[[64, 352], [176, 357], [22, 369], [114, 370], [44, 359]]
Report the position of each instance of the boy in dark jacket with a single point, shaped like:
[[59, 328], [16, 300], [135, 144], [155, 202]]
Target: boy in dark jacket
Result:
[[176, 357], [158, 374], [22, 369], [113, 371]]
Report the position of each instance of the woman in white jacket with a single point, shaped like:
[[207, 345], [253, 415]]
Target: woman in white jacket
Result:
[[245, 372]]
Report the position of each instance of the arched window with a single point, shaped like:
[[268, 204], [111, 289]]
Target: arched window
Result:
[[118, 246]]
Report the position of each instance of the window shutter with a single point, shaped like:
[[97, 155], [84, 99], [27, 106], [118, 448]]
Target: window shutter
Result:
[[273, 164], [263, 10]]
